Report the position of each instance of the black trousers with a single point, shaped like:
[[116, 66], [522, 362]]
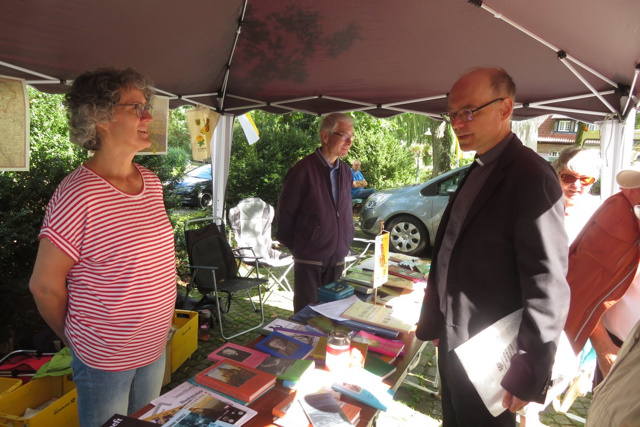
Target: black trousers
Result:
[[461, 403], [307, 278]]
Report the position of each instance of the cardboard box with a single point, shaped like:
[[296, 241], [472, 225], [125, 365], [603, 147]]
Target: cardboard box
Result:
[[61, 412], [185, 340], [7, 385]]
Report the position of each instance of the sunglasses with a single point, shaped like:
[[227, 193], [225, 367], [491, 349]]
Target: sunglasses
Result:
[[568, 178]]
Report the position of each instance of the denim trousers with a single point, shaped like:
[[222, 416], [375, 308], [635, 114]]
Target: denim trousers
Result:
[[102, 394]]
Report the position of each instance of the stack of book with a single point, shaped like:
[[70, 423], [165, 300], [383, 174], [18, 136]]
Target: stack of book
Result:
[[385, 346], [235, 380]]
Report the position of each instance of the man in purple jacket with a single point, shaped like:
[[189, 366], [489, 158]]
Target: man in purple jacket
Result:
[[315, 219]]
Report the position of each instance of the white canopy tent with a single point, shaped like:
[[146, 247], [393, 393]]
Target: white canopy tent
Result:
[[574, 57]]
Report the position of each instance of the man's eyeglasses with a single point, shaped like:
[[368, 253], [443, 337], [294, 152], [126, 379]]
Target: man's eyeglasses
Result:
[[345, 136], [466, 114], [568, 178], [140, 108]]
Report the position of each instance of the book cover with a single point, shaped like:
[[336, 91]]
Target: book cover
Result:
[[236, 380], [397, 257], [286, 369], [399, 282], [280, 322], [381, 259], [323, 409], [405, 273], [126, 421], [208, 411], [307, 313], [378, 367], [278, 344], [167, 405], [246, 356], [294, 415], [335, 291], [376, 315], [359, 276], [365, 387], [380, 345]]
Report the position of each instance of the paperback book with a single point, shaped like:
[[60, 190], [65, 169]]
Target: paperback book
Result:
[[359, 276], [399, 282], [291, 414], [169, 404], [380, 345], [377, 366], [365, 387], [335, 291], [236, 380], [280, 322], [207, 411], [307, 313], [376, 315], [281, 345], [246, 356], [405, 273], [286, 369], [323, 409]]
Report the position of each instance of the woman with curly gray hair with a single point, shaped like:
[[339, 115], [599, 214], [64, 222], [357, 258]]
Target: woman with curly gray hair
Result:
[[104, 277]]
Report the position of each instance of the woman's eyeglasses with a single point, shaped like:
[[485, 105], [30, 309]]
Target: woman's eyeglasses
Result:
[[140, 108], [568, 178]]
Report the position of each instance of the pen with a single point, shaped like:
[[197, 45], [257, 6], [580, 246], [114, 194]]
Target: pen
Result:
[[298, 331]]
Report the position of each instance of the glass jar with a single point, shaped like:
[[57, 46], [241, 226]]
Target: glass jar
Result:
[[338, 351]]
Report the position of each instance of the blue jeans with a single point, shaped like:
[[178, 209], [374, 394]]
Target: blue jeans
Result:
[[362, 193], [102, 394]]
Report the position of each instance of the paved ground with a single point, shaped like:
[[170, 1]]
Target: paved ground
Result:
[[414, 405]]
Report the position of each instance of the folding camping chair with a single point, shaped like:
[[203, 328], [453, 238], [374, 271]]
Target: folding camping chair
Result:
[[250, 222], [356, 255], [215, 270]]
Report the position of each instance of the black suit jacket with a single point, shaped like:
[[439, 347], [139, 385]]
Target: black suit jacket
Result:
[[511, 253]]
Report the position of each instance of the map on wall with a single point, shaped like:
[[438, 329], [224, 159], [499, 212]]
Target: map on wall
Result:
[[158, 127], [14, 125]]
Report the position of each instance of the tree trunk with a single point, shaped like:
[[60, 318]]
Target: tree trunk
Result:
[[443, 142]]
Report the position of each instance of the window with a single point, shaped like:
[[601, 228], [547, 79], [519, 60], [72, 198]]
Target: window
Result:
[[565, 126]]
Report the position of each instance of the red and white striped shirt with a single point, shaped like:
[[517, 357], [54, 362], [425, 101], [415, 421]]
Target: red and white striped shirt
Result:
[[122, 288]]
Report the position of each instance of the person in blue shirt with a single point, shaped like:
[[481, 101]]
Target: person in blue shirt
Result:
[[358, 191]]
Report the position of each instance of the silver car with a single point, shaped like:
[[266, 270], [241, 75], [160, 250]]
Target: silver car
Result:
[[411, 214]]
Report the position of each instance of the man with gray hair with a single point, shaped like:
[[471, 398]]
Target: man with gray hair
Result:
[[315, 219]]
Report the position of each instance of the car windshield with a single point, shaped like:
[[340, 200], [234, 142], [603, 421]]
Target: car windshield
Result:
[[203, 172]]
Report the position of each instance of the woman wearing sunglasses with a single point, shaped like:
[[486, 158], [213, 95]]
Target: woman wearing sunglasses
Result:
[[577, 170]]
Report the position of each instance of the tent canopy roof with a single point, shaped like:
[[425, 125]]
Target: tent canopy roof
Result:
[[322, 56]]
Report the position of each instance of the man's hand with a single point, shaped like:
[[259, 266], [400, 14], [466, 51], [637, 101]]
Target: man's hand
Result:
[[512, 403]]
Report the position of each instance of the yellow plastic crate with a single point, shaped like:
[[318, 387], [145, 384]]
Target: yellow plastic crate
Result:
[[185, 340], [7, 385], [61, 412]]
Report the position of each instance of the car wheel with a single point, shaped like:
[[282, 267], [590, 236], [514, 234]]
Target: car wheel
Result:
[[206, 200], [407, 235]]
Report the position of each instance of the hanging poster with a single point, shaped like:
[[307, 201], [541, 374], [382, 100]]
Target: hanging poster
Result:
[[14, 125], [201, 122], [158, 127]]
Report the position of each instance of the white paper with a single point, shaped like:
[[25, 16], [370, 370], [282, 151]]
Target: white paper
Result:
[[486, 358], [334, 309]]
